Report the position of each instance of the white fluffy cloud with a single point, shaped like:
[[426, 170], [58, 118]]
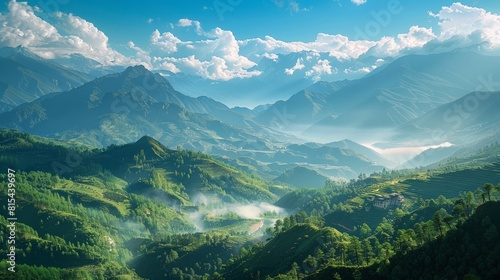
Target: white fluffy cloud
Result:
[[321, 68], [358, 2], [299, 65], [215, 57], [166, 41], [416, 38], [218, 55], [141, 54], [338, 46], [272, 56], [22, 26], [472, 25], [184, 22]]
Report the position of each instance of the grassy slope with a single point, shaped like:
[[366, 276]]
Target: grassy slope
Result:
[[276, 257], [417, 185], [152, 263]]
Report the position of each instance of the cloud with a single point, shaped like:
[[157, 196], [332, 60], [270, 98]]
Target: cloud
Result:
[[218, 55], [322, 67], [215, 57], [299, 65], [416, 38], [165, 64], [141, 54], [150, 20], [358, 2], [472, 25], [272, 56], [363, 70], [184, 22], [21, 26], [166, 41], [338, 46]]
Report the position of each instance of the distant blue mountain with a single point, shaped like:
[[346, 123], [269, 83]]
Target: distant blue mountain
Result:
[[404, 90], [121, 107], [470, 117], [274, 83], [26, 77], [87, 65]]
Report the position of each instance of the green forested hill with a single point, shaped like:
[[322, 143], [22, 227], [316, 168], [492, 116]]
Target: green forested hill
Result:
[[302, 177], [78, 209], [470, 251], [143, 210], [291, 246], [191, 172], [146, 161]]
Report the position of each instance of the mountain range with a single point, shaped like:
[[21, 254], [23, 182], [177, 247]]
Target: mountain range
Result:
[[402, 91], [403, 103], [121, 107], [124, 187], [26, 77], [468, 118], [280, 76], [135, 101]]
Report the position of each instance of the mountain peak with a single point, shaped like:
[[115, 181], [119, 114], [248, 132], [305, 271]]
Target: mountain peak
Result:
[[147, 140], [139, 69], [12, 52], [146, 145], [150, 143], [139, 75]]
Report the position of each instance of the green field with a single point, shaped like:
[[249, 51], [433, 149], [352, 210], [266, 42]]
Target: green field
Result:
[[453, 183]]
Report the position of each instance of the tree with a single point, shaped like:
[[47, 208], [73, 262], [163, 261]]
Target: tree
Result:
[[459, 209], [295, 271], [364, 230], [469, 203], [438, 222], [342, 245], [320, 256], [488, 187], [172, 256], [277, 226], [286, 223], [385, 229], [356, 249], [448, 219], [367, 250], [310, 264]]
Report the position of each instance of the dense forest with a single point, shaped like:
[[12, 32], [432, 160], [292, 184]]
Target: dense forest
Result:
[[143, 210]]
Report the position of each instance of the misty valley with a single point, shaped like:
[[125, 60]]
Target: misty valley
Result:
[[239, 194]]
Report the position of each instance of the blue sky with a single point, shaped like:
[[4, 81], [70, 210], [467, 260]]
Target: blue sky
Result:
[[224, 39], [123, 21], [128, 20]]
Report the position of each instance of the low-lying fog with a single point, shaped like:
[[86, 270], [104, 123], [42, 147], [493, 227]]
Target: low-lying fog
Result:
[[401, 155], [250, 211]]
